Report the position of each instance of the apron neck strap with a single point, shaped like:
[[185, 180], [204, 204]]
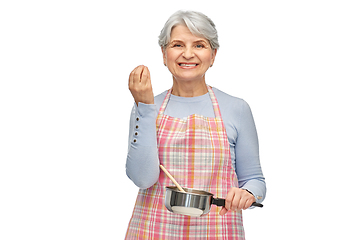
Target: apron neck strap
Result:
[[212, 97]]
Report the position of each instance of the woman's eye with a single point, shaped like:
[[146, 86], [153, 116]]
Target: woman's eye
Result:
[[199, 46], [177, 45]]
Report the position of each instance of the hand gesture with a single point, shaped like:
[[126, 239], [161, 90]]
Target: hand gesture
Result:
[[140, 85], [237, 199]]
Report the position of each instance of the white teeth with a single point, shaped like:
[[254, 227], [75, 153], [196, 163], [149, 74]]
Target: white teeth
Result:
[[187, 65]]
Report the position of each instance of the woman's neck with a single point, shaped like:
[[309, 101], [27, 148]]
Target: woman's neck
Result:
[[189, 89]]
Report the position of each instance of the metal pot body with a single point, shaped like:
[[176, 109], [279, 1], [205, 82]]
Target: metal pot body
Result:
[[193, 202]]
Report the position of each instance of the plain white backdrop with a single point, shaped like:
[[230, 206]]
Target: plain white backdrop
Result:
[[65, 107]]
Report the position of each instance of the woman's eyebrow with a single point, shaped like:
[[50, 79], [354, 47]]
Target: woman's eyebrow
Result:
[[201, 41], [176, 41]]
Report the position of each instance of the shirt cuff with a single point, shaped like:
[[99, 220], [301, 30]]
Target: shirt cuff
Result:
[[144, 131], [255, 190]]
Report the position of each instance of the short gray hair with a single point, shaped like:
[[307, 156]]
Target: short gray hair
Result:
[[198, 24]]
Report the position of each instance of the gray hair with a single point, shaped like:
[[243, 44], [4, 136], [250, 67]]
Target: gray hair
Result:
[[198, 24]]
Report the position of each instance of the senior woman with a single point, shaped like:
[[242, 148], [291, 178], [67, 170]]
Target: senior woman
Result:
[[204, 137]]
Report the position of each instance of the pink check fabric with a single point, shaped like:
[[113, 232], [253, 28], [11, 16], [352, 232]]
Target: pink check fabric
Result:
[[196, 152]]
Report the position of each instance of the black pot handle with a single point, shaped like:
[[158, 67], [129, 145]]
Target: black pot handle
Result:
[[220, 202]]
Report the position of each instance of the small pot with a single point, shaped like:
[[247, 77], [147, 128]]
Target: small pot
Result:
[[195, 203]]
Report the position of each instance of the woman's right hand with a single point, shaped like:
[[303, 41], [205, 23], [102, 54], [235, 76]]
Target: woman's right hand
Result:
[[140, 85]]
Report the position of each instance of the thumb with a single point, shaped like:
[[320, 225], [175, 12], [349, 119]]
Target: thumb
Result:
[[146, 75], [223, 211]]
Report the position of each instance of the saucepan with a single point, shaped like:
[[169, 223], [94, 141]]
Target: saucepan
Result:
[[191, 202]]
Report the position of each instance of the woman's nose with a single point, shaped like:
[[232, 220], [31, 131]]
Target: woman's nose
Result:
[[188, 53]]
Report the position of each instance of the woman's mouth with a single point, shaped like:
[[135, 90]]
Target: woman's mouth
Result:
[[188, 65]]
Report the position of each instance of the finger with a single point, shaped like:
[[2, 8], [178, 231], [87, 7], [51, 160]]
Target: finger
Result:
[[137, 74], [236, 201], [133, 75], [248, 204], [145, 77], [242, 203], [249, 199], [229, 199]]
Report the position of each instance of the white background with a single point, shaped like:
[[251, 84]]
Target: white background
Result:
[[65, 110]]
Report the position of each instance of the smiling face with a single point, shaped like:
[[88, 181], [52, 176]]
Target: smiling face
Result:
[[187, 56]]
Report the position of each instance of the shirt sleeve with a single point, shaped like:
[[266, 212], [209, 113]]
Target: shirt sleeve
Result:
[[142, 163], [247, 160]]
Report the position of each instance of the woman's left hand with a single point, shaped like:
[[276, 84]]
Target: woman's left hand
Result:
[[237, 199]]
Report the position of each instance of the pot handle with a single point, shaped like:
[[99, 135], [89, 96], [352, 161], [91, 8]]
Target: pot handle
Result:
[[220, 202]]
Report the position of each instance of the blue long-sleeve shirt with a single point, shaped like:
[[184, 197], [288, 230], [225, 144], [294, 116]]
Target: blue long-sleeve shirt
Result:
[[142, 165]]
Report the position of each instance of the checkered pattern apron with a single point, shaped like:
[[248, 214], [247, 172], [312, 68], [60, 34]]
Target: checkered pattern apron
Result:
[[196, 152]]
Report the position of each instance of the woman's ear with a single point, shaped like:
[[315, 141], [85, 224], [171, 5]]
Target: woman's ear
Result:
[[213, 56], [163, 50]]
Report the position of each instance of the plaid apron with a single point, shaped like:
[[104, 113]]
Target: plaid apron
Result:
[[196, 152]]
